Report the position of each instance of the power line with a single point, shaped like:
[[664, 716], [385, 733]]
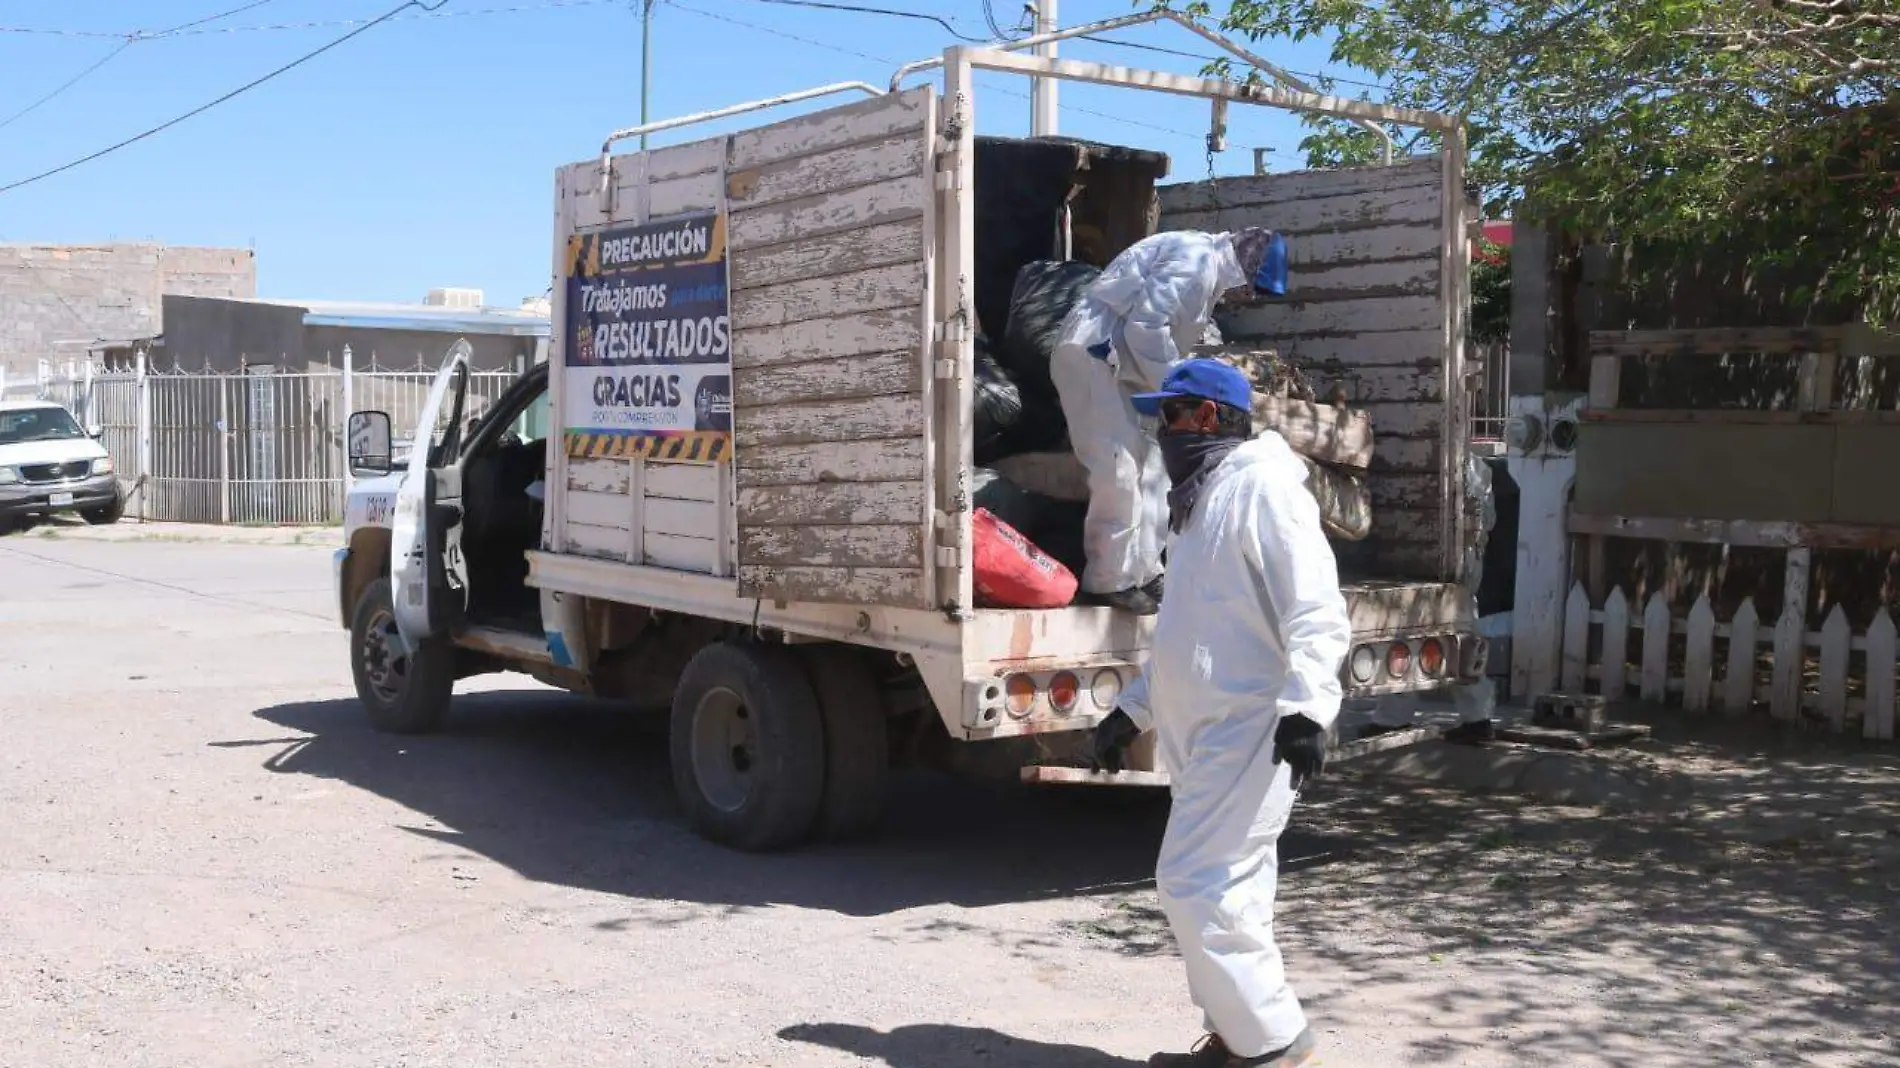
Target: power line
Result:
[[245, 88], [854, 9], [130, 40], [67, 84], [1014, 33], [828, 46], [214, 18], [312, 24]]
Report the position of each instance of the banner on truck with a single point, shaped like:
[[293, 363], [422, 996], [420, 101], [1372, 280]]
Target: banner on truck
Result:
[[648, 341]]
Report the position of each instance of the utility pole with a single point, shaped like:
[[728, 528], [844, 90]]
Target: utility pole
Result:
[[1042, 114], [646, 63]]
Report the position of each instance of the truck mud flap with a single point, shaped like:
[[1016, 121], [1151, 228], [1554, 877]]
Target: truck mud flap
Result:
[[1047, 775]]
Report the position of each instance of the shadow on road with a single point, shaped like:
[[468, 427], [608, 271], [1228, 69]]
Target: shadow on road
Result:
[[572, 792], [948, 1046]]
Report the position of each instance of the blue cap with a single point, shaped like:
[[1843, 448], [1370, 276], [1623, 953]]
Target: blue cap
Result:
[[1203, 379], [1271, 277]]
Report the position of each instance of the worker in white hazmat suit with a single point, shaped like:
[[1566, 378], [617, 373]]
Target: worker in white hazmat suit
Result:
[[1144, 314], [1240, 688]]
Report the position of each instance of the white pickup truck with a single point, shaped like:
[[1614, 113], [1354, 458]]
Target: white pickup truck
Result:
[[753, 502]]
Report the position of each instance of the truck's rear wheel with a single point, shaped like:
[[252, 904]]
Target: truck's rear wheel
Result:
[[748, 746], [406, 690], [857, 740]]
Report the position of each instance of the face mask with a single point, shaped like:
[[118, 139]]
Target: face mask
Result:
[[1190, 457]]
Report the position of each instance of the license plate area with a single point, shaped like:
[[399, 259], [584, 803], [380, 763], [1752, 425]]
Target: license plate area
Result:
[[59, 500]]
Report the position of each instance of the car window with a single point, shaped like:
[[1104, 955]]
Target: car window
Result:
[[37, 424]]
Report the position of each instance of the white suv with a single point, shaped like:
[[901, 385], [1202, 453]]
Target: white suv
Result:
[[48, 466]]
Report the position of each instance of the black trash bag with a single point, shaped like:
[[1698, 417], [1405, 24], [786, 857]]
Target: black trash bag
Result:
[[1044, 293], [1005, 500], [998, 406], [1058, 531], [1041, 428]]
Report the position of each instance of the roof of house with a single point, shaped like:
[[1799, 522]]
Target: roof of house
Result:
[[431, 317]]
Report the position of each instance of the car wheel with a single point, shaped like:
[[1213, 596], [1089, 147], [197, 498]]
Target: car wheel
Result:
[[406, 691], [106, 515]]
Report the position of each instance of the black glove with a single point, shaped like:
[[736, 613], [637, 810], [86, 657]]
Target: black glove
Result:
[[1302, 744], [1112, 737]]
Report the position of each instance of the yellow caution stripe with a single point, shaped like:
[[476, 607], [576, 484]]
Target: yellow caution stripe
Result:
[[711, 445]]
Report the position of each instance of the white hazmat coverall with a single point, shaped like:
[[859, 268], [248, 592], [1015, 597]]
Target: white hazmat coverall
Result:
[[1253, 628], [1143, 314]]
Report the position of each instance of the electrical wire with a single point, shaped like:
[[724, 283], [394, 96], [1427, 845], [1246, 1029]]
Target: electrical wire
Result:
[[130, 40], [240, 90], [989, 16], [823, 5], [828, 46], [312, 24], [67, 84]]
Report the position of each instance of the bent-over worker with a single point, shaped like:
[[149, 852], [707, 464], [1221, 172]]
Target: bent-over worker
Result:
[[1240, 688], [1145, 312]]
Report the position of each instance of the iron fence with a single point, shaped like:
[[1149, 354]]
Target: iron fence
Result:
[[263, 446], [1490, 393]]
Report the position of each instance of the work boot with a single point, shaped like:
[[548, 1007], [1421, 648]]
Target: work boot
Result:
[[1134, 599], [1211, 1052], [1477, 732]]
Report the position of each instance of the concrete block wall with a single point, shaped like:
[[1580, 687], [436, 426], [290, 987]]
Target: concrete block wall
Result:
[[55, 293]]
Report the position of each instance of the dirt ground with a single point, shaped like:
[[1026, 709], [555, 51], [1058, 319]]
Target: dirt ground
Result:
[[208, 859]]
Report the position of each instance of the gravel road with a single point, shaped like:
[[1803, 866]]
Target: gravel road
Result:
[[208, 859]]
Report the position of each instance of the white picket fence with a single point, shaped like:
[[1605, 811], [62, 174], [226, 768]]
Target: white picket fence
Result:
[[1833, 674]]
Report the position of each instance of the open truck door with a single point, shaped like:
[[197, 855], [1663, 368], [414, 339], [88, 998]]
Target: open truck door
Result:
[[428, 573]]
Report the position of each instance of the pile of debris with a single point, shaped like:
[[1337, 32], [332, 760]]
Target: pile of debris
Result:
[[1335, 441]]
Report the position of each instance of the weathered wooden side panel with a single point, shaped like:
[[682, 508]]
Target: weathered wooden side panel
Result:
[[853, 250], [830, 228], [1366, 319], [893, 460], [878, 289]]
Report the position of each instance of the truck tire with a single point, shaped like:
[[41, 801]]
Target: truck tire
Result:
[[748, 746], [857, 740], [404, 693]]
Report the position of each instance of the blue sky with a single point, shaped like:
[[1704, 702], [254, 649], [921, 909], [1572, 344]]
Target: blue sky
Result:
[[421, 153]]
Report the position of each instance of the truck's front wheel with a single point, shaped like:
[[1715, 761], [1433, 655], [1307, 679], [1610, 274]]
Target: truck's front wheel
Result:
[[405, 690], [748, 746]]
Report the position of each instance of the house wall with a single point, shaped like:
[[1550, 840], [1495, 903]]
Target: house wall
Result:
[[54, 293]]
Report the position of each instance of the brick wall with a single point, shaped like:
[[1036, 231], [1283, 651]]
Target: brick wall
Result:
[[55, 293]]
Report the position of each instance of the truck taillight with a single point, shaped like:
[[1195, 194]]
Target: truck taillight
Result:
[[1019, 695], [1398, 659], [1105, 689], [1064, 690], [1431, 657], [1364, 663]]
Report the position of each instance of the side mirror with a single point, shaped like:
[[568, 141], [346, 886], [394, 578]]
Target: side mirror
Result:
[[95, 431], [369, 436]]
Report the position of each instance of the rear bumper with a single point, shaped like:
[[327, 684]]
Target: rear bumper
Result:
[[38, 498]]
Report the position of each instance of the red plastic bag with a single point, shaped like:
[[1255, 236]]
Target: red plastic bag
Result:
[[1011, 572]]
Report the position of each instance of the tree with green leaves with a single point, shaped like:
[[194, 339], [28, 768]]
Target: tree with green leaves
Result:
[[1669, 121]]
